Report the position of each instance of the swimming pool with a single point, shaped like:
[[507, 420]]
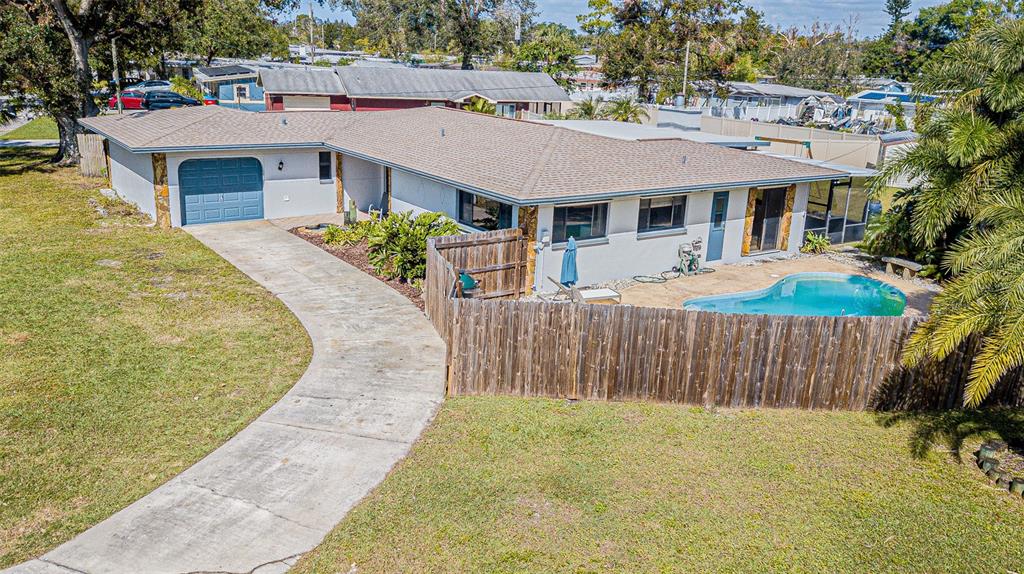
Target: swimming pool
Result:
[[811, 294]]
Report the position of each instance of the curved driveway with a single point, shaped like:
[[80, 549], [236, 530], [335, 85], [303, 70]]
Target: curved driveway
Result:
[[273, 491]]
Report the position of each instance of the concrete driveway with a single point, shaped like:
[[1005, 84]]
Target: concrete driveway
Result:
[[272, 492]]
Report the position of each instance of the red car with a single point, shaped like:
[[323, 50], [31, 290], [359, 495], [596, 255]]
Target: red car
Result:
[[130, 100]]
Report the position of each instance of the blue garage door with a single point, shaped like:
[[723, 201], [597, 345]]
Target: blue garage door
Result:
[[226, 189]]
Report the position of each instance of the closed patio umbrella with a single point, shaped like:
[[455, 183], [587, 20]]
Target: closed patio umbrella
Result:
[[569, 274]]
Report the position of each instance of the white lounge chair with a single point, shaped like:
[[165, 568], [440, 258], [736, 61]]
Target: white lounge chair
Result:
[[587, 295]]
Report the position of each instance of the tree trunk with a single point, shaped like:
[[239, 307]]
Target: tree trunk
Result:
[[467, 60], [68, 152]]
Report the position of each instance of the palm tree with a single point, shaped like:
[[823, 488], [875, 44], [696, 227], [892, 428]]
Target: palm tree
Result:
[[589, 109], [627, 110], [970, 160], [481, 106]]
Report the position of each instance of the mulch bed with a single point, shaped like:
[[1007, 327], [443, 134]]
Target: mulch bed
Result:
[[356, 256]]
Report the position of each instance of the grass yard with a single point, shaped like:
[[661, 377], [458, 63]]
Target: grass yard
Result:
[[128, 353], [41, 128], [516, 485]]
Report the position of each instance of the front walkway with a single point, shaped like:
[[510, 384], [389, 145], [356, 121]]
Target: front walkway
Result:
[[272, 492]]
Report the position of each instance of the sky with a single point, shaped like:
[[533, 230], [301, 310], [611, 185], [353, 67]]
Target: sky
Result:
[[870, 15]]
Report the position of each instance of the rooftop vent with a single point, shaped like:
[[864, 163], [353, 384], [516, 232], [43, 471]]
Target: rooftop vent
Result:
[[284, 121]]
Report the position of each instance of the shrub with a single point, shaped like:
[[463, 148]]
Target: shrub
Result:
[[348, 235], [814, 243], [186, 88], [398, 243]]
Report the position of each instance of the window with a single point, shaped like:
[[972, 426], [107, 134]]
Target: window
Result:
[[483, 213], [325, 166], [505, 110], [241, 92], [580, 221], [660, 213]]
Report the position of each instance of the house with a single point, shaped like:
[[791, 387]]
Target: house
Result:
[[361, 88], [762, 101], [630, 204], [751, 94], [871, 104], [232, 85]]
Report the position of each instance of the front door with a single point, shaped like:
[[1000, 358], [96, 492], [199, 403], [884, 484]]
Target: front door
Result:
[[716, 237]]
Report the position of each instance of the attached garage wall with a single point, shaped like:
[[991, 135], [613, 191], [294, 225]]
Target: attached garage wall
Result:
[[131, 176], [417, 194], [294, 190]]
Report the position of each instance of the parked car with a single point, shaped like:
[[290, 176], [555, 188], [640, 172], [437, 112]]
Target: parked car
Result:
[[130, 100], [164, 100], [150, 85]]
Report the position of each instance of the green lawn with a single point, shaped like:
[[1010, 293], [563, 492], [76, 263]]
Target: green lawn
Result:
[[515, 485], [126, 354], [41, 128]]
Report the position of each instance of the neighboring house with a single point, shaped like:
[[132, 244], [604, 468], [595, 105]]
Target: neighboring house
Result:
[[233, 86], [871, 104], [629, 204], [642, 132], [751, 94], [358, 88], [761, 102]]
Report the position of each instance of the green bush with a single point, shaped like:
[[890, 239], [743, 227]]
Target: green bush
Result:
[[814, 243], [398, 243], [348, 235], [891, 235], [186, 88]]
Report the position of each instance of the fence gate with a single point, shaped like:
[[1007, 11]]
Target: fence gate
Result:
[[94, 158]]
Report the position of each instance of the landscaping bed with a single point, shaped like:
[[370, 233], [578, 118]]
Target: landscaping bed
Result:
[[356, 255], [527, 485], [128, 353]]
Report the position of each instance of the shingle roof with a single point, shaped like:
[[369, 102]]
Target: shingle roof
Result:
[[522, 161], [449, 84], [319, 81]]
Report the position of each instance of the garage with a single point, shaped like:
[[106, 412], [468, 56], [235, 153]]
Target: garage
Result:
[[222, 189]]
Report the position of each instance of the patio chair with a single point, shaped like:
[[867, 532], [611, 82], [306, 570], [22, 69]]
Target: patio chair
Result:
[[587, 295]]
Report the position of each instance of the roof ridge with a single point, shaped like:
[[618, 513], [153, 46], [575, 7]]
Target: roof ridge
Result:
[[542, 161]]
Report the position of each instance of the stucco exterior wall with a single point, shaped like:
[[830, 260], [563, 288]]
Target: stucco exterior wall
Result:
[[293, 190], [131, 177], [364, 182], [625, 253], [413, 193]]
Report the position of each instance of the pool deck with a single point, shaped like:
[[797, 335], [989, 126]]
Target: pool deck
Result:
[[748, 276]]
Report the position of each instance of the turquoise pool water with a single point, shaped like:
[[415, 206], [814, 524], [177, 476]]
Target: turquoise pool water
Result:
[[811, 294]]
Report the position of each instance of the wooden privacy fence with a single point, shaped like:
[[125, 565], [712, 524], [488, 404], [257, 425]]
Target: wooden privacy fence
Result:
[[497, 259], [94, 157], [505, 346]]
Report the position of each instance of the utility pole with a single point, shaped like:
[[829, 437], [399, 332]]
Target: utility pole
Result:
[[117, 76], [686, 72], [312, 49]]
